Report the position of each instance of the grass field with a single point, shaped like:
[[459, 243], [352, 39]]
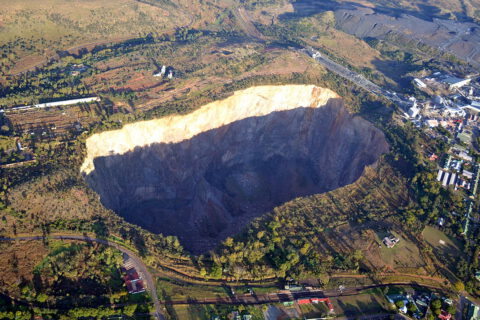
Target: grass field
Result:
[[170, 289], [441, 242], [199, 312], [446, 249], [368, 303], [314, 310], [33, 30], [405, 254]]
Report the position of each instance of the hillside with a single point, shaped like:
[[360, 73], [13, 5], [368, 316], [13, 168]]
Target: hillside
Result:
[[34, 31]]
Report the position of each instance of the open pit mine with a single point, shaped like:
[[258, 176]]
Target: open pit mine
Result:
[[205, 175]]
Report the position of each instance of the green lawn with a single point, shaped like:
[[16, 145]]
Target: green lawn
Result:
[[404, 254], [205, 312], [368, 303], [441, 242], [314, 310], [171, 289]]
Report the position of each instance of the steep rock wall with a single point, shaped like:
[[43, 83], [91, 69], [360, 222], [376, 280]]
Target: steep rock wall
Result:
[[204, 175]]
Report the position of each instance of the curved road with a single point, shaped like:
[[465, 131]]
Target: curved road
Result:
[[139, 265]]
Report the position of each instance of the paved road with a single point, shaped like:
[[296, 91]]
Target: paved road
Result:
[[139, 265], [356, 78], [462, 301]]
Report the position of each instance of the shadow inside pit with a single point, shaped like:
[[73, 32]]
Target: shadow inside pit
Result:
[[207, 188]]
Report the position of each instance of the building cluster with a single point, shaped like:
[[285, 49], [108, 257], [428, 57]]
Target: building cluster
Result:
[[327, 302], [456, 97], [454, 108], [460, 171], [165, 72], [133, 280], [421, 302], [77, 69]]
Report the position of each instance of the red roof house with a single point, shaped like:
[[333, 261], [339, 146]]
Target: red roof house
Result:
[[444, 315]]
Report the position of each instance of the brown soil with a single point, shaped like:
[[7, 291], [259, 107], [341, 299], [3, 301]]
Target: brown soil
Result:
[[17, 262]]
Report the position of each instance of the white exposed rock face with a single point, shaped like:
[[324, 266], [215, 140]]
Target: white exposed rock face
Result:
[[205, 175], [252, 102]]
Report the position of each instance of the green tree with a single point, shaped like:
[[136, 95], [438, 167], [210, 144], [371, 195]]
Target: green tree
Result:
[[216, 271], [42, 297], [451, 309], [411, 307], [459, 286], [400, 304]]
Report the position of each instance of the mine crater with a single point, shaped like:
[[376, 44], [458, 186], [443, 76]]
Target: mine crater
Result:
[[243, 156]]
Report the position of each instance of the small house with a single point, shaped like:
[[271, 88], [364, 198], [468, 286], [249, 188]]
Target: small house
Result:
[[441, 221], [419, 83], [390, 241], [444, 315]]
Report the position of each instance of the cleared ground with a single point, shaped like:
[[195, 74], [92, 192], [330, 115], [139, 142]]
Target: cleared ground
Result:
[[441, 242], [31, 32], [368, 303]]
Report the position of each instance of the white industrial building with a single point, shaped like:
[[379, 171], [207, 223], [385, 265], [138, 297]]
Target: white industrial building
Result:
[[57, 103], [474, 106], [432, 123], [162, 72], [419, 83], [454, 82], [446, 178], [455, 111], [413, 111]]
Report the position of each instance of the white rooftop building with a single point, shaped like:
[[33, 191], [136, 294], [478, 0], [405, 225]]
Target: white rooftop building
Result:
[[454, 82], [414, 110], [58, 103], [162, 72], [455, 111], [432, 123], [419, 83], [474, 106]]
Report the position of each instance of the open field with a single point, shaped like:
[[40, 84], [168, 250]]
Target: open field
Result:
[[367, 303], [404, 257], [33, 32], [313, 310], [55, 121], [19, 260], [171, 289], [205, 312], [441, 242]]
